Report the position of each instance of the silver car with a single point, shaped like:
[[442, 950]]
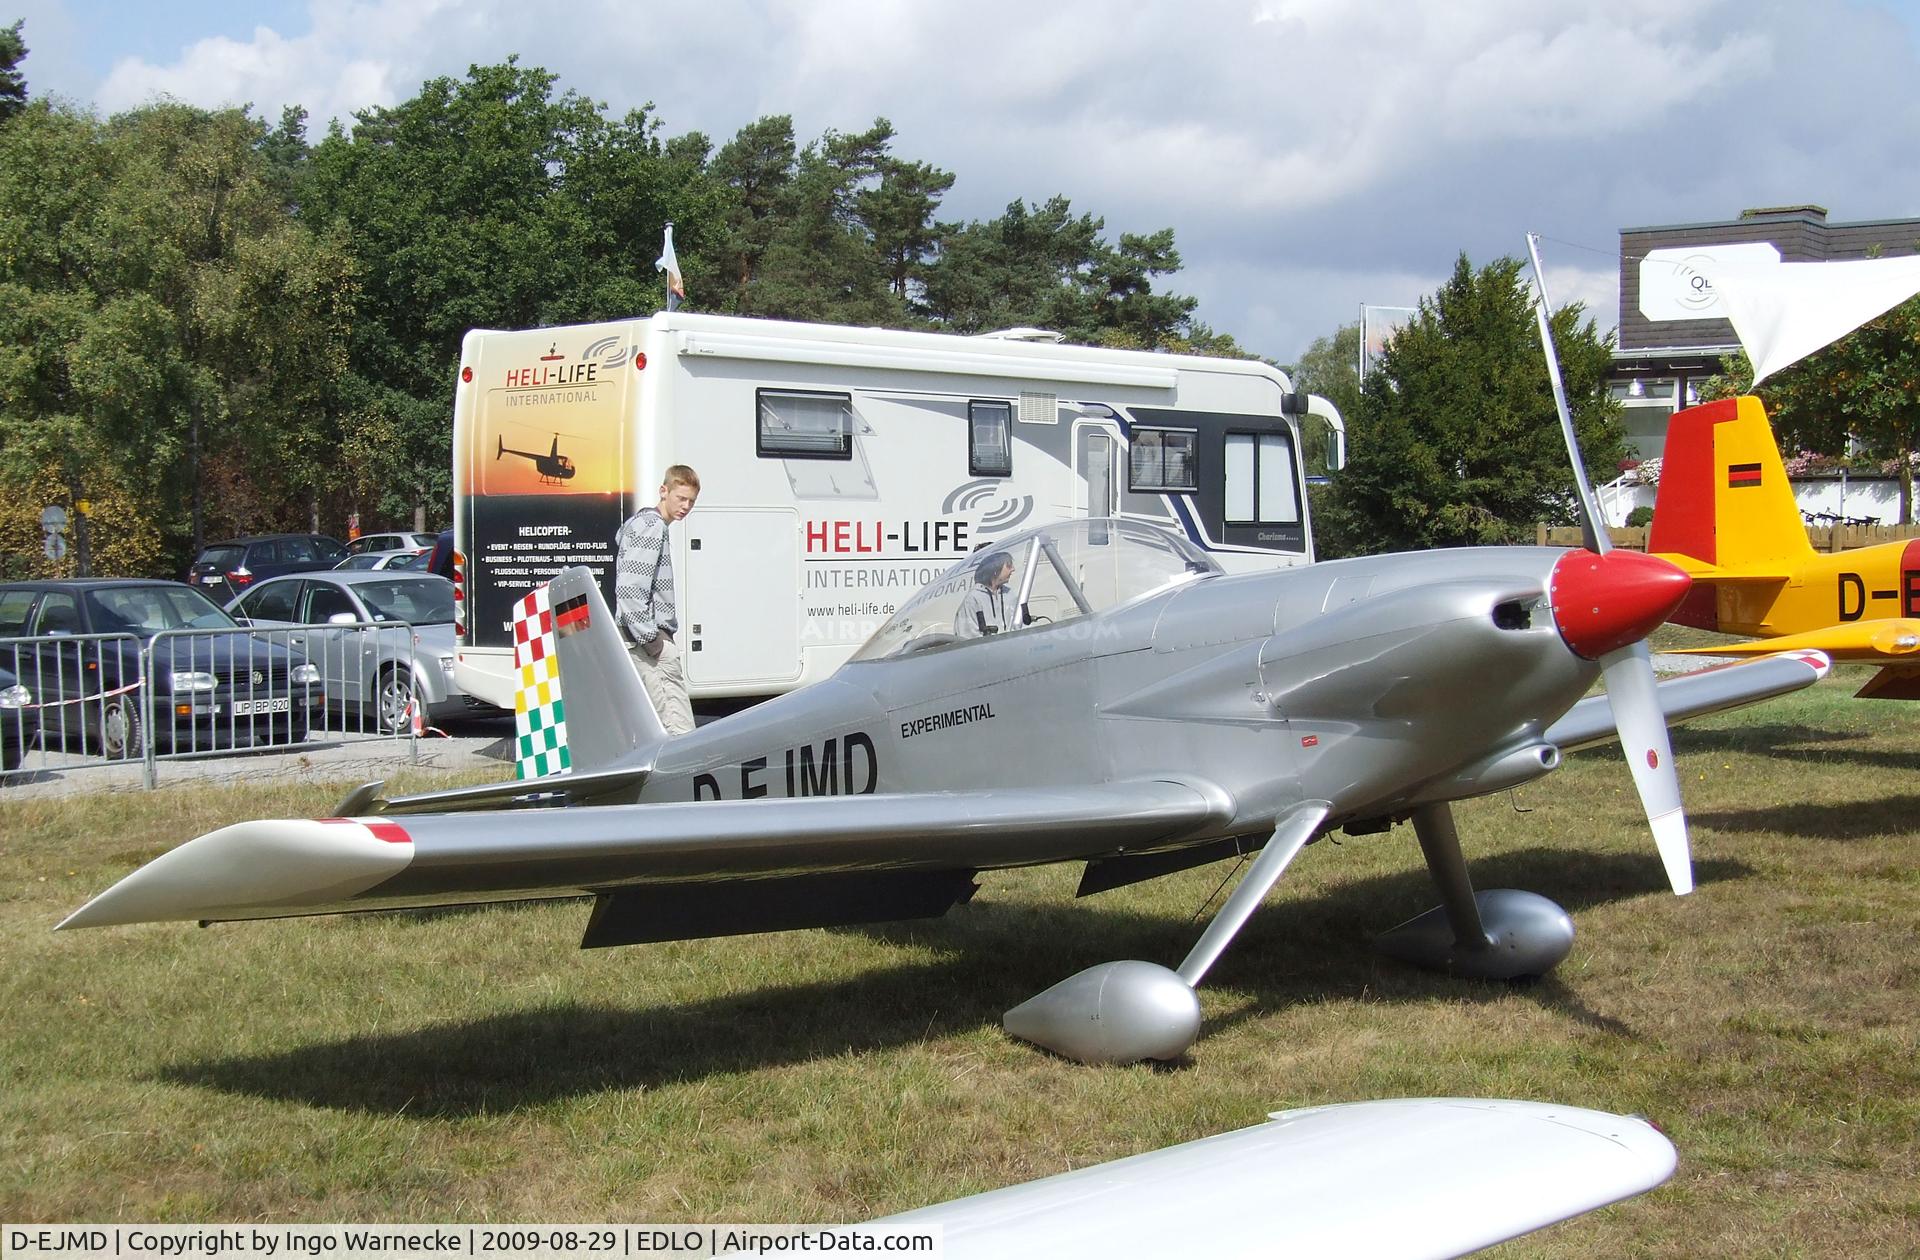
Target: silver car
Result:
[[396, 541], [370, 670]]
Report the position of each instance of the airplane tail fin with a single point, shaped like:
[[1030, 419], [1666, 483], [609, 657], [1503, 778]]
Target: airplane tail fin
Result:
[[580, 704], [1724, 499]]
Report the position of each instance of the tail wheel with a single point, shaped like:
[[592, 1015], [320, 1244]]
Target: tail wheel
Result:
[[391, 696], [121, 729]]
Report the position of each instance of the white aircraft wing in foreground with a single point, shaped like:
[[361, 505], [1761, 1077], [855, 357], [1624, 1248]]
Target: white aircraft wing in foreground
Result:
[[1401, 1179]]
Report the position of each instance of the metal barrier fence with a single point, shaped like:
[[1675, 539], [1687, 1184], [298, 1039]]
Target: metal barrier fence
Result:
[[96, 700], [71, 697], [368, 673]]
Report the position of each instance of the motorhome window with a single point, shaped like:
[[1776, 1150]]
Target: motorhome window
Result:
[[990, 439], [1163, 459], [796, 425], [1260, 480]]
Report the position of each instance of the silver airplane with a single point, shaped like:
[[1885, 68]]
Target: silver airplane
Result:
[[1130, 707], [1142, 713]]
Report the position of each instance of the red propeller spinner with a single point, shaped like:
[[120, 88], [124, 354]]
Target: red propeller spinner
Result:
[[1604, 602]]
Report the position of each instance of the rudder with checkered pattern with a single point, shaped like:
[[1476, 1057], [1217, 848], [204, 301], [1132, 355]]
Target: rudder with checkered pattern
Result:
[[579, 704]]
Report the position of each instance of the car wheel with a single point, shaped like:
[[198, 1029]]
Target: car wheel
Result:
[[391, 696], [121, 729]]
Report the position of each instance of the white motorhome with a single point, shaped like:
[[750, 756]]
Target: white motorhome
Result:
[[841, 469]]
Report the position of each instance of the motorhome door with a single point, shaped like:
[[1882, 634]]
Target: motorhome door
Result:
[[1096, 450], [740, 623]]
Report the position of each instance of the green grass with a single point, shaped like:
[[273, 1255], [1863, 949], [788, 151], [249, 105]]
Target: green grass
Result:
[[476, 1066]]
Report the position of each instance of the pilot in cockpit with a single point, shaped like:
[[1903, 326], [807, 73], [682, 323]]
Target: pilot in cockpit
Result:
[[984, 610]]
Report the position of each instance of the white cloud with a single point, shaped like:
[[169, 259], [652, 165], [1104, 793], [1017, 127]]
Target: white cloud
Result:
[[1309, 153]]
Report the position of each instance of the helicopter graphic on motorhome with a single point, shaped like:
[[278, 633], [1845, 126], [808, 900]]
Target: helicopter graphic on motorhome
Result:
[[553, 467]]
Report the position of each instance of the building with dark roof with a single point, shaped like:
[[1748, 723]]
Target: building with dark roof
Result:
[[1672, 336]]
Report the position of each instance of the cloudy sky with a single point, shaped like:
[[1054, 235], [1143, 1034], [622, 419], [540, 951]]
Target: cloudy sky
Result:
[[1311, 155]]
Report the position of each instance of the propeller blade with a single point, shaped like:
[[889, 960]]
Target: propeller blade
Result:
[[1592, 526], [1634, 697], [1641, 595]]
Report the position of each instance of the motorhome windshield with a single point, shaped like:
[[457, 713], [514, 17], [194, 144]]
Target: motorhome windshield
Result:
[[1038, 578]]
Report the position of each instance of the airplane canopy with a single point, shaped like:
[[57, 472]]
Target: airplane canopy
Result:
[[1061, 571], [1784, 312]]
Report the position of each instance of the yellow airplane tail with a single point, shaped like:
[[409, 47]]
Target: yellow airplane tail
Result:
[[1724, 500]]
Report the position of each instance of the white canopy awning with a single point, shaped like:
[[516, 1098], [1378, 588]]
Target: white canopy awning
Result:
[[1786, 311]]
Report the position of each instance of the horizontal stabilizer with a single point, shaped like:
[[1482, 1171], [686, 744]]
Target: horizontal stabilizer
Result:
[[1702, 572], [1380, 1179], [1714, 690], [579, 787]]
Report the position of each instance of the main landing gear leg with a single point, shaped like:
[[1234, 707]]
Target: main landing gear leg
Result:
[[1500, 934], [1121, 1012]]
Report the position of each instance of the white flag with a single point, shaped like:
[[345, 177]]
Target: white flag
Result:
[[670, 263], [1786, 311]]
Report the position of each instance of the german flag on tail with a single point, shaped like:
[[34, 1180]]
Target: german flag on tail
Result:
[[571, 617]]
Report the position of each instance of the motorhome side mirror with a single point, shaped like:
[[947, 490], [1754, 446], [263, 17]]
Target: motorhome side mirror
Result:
[[1323, 436]]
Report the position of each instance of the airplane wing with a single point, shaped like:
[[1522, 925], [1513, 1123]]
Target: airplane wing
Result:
[[660, 871], [1697, 694], [679, 870], [1882, 640], [1383, 1179]]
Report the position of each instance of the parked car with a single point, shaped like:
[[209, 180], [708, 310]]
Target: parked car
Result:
[[398, 541], [226, 569], [366, 670], [19, 720], [208, 690], [381, 560]]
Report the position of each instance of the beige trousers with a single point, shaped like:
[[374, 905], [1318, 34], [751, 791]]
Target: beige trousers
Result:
[[665, 678]]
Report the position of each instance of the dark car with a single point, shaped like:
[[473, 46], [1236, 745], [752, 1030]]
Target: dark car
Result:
[[83, 666], [226, 569], [19, 720]]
